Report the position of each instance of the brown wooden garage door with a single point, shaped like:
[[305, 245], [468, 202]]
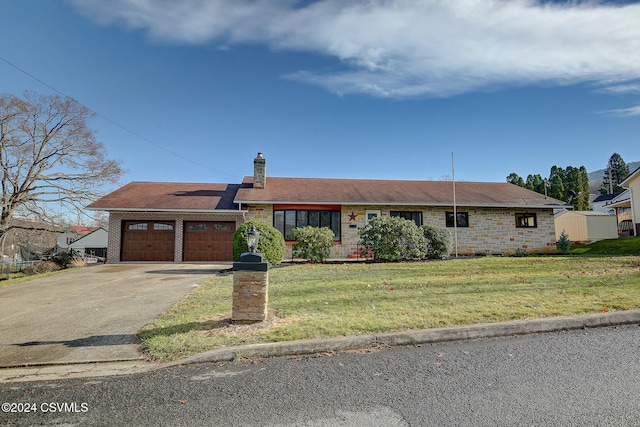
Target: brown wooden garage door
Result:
[[208, 241], [148, 241]]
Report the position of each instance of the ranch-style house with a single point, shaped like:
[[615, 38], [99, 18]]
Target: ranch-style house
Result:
[[195, 222]]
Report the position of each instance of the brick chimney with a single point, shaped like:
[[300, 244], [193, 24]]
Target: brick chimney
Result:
[[259, 171]]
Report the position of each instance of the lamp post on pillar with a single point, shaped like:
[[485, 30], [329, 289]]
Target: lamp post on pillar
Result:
[[250, 283]]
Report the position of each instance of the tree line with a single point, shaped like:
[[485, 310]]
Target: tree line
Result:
[[571, 184]]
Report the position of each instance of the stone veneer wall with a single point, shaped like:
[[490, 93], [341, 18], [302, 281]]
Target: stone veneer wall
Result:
[[115, 228], [250, 296], [490, 230]]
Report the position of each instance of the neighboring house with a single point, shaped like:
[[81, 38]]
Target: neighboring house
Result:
[[632, 183], [70, 235], [150, 221], [92, 244], [627, 204], [599, 204], [586, 226]]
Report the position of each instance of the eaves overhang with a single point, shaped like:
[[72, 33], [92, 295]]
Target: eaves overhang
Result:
[[406, 203], [156, 210]]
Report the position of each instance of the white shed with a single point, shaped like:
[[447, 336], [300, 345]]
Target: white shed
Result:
[[586, 226], [94, 243]]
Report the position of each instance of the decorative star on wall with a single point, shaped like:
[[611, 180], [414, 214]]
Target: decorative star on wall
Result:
[[353, 216]]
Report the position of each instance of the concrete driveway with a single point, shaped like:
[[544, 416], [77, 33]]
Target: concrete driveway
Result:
[[90, 314]]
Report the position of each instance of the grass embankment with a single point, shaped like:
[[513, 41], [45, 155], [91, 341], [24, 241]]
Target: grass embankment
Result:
[[314, 301], [619, 246]]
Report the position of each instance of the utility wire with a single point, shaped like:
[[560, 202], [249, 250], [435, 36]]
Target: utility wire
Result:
[[113, 122]]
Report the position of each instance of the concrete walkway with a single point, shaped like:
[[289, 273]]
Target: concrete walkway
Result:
[[89, 314]]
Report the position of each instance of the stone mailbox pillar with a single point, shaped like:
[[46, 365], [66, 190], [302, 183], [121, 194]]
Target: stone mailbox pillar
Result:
[[250, 285]]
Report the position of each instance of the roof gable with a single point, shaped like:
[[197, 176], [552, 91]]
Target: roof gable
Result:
[[100, 232], [632, 176]]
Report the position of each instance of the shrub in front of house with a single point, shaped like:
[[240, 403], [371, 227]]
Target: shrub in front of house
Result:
[[563, 244], [40, 268], [439, 241], [270, 245], [393, 239], [313, 243]]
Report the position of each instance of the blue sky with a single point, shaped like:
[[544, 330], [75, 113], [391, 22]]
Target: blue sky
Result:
[[190, 91]]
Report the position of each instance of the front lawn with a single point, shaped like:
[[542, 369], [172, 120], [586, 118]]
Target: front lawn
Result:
[[316, 301]]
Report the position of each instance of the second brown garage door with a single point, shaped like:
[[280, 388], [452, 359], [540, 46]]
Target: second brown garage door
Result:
[[208, 241]]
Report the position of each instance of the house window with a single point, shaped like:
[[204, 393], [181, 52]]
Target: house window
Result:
[[286, 220], [408, 215], [370, 214], [462, 219], [526, 220]]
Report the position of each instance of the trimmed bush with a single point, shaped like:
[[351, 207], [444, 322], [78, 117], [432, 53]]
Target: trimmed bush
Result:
[[563, 244], [439, 241], [271, 243], [393, 239], [313, 243]]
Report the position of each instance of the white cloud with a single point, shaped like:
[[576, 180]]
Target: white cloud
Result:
[[624, 112], [406, 48], [617, 89]]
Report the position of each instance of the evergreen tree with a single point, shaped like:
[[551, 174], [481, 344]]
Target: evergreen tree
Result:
[[575, 181], [558, 185], [516, 179], [557, 180], [585, 186], [615, 172], [535, 183]]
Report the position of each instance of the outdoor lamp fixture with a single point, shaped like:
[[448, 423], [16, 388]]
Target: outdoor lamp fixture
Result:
[[252, 239]]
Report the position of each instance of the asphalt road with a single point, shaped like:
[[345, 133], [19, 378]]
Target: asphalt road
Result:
[[577, 378]]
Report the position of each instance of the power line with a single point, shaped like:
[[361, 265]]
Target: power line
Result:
[[113, 122]]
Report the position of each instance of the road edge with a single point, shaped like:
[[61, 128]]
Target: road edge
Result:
[[326, 345], [424, 336]]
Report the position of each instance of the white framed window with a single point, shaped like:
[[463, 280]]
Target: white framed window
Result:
[[370, 214]]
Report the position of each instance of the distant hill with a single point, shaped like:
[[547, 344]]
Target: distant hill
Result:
[[596, 177]]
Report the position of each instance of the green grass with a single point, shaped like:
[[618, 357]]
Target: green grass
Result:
[[316, 301], [18, 277], [619, 246]]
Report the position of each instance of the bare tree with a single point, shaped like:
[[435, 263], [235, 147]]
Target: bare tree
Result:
[[50, 160]]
